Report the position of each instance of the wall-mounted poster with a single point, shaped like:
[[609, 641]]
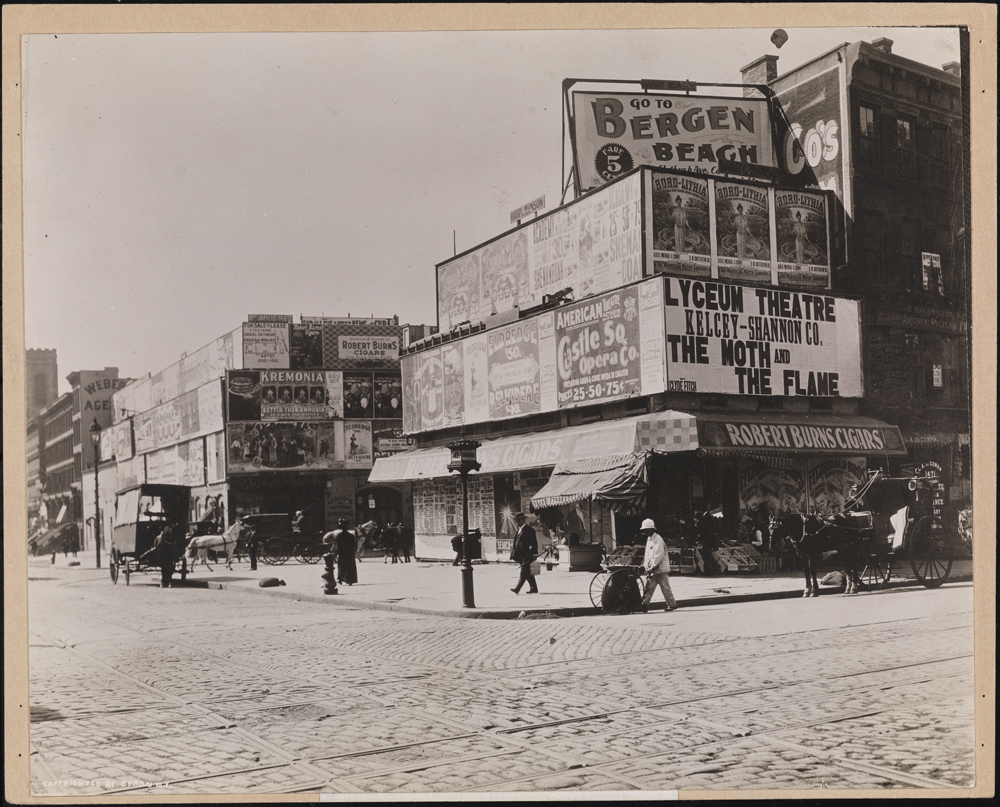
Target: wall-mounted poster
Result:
[[783, 490], [514, 387], [388, 439], [476, 371], [431, 385], [743, 232], [293, 394], [266, 345], [830, 483], [452, 367], [803, 239], [123, 440], [358, 443], [274, 446], [306, 351], [388, 395], [458, 292], [190, 464], [358, 399], [598, 349], [681, 231], [409, 367], [504, 273]]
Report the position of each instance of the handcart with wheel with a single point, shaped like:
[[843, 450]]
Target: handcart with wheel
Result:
[[620, 586]]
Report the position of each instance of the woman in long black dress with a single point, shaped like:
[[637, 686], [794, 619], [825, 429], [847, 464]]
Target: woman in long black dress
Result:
[[345, 541]]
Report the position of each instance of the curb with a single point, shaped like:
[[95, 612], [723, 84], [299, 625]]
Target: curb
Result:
[[536, 613]]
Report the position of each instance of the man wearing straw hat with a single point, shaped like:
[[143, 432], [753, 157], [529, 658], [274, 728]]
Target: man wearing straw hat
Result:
[[657, 566], [524, 552]]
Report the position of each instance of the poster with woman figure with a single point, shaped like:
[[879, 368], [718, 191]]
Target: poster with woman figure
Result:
[[680, 228], [743, 232], [803, 248]]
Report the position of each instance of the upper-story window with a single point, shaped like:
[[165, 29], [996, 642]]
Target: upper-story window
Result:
[[869, 155], [906, 148]]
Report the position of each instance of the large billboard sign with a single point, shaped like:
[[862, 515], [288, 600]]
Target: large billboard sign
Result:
[[591, 245], [742, 340], [266, 345], [286, 394], [615, 132]]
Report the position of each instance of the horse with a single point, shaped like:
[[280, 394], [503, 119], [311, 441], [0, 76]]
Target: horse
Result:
[[199, 545], [368, 535], [811, 535]]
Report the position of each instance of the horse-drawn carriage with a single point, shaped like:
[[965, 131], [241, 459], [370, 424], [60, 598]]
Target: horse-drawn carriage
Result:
[[886, 520], [142, 513]]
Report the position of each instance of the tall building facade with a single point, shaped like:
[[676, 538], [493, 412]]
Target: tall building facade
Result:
[[41, 380]]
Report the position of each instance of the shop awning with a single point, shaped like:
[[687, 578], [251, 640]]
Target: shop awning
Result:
[[776, 434], [660, 431], [620, 480]]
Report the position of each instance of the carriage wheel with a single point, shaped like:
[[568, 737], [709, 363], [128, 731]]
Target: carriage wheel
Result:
[[114, 567], [308, 553], [930, 556], [597, 588], [875, 573], [273, 552], [623, 592]]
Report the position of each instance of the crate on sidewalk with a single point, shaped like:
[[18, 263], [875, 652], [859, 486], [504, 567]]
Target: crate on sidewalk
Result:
[[681, 559], [766, 564]]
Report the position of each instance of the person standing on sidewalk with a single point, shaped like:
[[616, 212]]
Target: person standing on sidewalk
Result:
[[346, 542], [524, 551], [405, 536], [456, 547], [164, 552], [657, 565], [390, 543]]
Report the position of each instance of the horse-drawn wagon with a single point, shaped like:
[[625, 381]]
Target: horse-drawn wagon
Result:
[[885, 522], [143, 514]]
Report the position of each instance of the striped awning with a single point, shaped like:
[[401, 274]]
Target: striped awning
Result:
[[619, 480]]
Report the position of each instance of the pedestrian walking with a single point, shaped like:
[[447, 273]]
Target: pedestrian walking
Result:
[[657, 566], [345, 543], [164, 552], [65, 547], [524, 551], [390, 543], [251, 541], [405, 537], [456, 547]]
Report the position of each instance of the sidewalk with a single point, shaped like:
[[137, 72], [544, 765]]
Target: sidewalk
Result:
[[435, 587]]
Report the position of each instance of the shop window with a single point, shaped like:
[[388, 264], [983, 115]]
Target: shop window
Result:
[[906, 148], [869, 155]]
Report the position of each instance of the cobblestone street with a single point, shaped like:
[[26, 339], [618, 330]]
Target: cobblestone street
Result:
[[192, 691]]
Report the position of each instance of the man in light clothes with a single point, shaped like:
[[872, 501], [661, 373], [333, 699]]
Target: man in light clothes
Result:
[[657, 565]]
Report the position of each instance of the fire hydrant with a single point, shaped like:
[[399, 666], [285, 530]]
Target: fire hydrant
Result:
[[330, 575]]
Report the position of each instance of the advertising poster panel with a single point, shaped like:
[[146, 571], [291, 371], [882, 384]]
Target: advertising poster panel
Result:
[[206, 364], [617, 131], [680, 230], [243, 394], [215, 457], [453, 370], [476, 371], [514, 387], [123, 440], [368, 348], [293, 395], [431, 385], [306, 445], [830, 483], [131, 472], [388, 395], [609, 237], [549, 387], [306, 352], [741, 340], [933, 279], [652, 354], [743, 232], [358, 399], [598, 355], [266, 345], [810, 143], [458, 291], [190, 465], [409, 370], [803, 239], [504, 281], [210, 405], [358, 443], [388, 439]]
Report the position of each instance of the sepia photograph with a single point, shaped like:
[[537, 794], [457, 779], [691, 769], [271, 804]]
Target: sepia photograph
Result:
[[448, 403]]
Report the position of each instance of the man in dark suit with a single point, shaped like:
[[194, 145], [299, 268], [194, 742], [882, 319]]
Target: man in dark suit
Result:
[[524, 551]]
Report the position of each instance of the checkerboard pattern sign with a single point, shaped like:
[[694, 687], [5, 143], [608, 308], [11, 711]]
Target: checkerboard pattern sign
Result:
[[668, 434]]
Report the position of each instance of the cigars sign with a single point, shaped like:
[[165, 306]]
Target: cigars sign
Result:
[[820, 439]]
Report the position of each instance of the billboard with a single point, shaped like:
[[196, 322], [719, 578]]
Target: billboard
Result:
[[192, 414], [277, 446], [741, 340], [306, 350], [513, 376], [285, 394], [615, 132], [591, 245], [368, 347], [681, 225], [743, 232], [266, 345]]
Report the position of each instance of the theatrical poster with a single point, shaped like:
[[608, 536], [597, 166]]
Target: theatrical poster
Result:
[[743, 232], [431, 390], [513, 370], [388, 439], [475, 370], [504, 273], [803, 239], [680, 230], [306, 351], [454, 383], [358, 443], [274, 446], [388, 395], [458, 292], [830, 482], [358, 400]]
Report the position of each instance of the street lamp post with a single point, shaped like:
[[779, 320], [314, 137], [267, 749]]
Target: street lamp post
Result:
[[95, 438], [463, 460]]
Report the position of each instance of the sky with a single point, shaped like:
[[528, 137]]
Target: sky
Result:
[[175, 183]]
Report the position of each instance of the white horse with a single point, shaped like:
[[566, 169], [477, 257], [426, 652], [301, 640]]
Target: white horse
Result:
[[367, 534], [199, 546]]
